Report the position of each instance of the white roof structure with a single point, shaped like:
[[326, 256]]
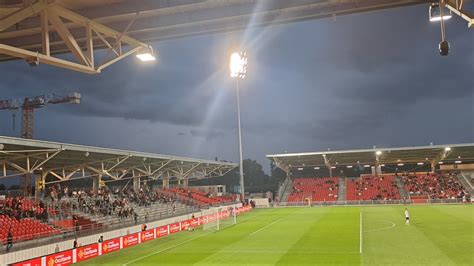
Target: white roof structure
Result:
[[37, 30], [69, 161], [437, 154]]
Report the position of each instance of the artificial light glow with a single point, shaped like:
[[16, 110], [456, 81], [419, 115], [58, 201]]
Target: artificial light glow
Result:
[[238, 65], [367, 165], [438, 18], [457, 161], [333, 167], [300, 168], [378, 152], [447, 148], [400, 164], [420, 163], [382, 165], [146, 54], [440, 163], [349, 166], [316, 168]]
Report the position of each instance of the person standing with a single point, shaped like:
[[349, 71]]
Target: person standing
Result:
[[9, 240], [407, 217]]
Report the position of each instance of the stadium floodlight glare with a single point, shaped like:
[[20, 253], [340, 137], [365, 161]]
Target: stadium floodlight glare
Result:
[[146, 54], [333, 167], [457, 161], [420, 163], [447, 148], [440, 162], [300, 168], [367, 165], [435, 13], [349, 166], [382, 165], [316, 168], [400, 164], [378, 152], [238, 65]]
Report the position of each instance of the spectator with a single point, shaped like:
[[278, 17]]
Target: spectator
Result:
[[9, 240], [75, 244]]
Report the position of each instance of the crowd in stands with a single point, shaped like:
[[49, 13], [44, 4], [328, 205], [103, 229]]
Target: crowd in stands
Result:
[[20, 207], [316, 189], [435, 186], [372, 188]]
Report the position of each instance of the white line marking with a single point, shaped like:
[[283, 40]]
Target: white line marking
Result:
[[266, 226], [184, 242], [384, 228], [268, 251], [360, 233]]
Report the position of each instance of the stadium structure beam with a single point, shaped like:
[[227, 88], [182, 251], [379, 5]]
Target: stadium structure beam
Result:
[[50, 12], [457, 8]]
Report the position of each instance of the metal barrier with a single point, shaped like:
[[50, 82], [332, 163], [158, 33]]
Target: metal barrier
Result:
[[367, 202]]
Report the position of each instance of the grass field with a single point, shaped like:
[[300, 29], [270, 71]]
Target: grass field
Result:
[[438, 235]]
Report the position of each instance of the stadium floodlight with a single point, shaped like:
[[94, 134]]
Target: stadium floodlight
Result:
[[349, 166], [238, 69], [238, 65], [435, 13], [400, 164], [316, 168], [378, 152], [146, 54], [420, 163], [457, 161], [447, 149]]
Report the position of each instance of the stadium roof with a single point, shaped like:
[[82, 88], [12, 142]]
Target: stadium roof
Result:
[[446, 154], [36, 30], [69, 161]]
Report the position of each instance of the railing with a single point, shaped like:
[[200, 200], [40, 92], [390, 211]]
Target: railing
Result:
[[367, 202], [89, 229]]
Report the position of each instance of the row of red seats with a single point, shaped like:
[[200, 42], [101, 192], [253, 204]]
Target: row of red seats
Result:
[[372, 188], [24, 229], [199, 196], [316, 189]]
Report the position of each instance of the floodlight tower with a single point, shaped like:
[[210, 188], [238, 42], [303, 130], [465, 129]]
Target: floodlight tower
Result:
[[238, 70]]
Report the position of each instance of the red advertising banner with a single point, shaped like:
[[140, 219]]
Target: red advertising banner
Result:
[[110, 245], [174, 228], [87, 252], [204, 219], [59, 259], [162, 231], [33, 262], [148, 235], [194, 222], [130, 240], [185, 224]]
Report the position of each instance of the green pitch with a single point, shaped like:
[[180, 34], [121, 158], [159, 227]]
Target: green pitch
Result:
[[437, 235]]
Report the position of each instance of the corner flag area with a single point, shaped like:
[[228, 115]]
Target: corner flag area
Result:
[[437, 235]]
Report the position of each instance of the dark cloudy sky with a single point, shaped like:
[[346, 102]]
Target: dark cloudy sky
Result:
[[350, 82]]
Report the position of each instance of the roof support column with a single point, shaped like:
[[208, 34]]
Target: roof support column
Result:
[[136, 183], [96, 180], [40, 184], [185, 182], [328, 165], [166, 183]]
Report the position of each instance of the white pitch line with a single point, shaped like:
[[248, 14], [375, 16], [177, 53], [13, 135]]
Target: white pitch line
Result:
[[384, 228], [360, 233], [266, 226], [184, 242], [268, 251]]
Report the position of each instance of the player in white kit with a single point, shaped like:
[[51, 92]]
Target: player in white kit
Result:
[[407, 217]]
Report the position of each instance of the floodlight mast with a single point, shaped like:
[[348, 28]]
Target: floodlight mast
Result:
[[238, 69]]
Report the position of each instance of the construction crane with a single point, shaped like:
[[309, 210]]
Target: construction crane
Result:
[[29, 104]]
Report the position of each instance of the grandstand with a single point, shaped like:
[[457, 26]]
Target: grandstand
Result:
[[418, 174]]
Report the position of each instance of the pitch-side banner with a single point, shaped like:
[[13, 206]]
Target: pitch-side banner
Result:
[[130, 240], [148, 235], [162, 231], [110, 245], [87, 252], [59, 259], [174, 228]]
